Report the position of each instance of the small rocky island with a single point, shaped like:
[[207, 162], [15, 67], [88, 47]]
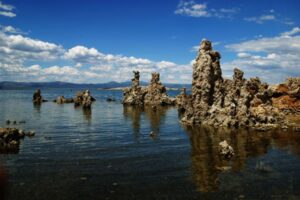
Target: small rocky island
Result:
[[155, 94], [37, 97], [83, 99], [239, 102]]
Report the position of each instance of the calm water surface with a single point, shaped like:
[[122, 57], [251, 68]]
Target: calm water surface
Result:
[[107, 153]]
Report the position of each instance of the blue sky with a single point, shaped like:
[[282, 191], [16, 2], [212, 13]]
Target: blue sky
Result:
[[99, 41]]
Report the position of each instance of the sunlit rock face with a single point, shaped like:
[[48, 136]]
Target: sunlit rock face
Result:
[[231, 103], [155, 94], [286, 96], [135, 94]]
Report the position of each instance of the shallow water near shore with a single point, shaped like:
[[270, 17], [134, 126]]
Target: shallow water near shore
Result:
[[107, 153]]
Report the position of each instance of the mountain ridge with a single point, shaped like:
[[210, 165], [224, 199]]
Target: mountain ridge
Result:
[[6, 85]]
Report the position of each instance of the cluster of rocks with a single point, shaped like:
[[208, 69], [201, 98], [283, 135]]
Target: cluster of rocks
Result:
[[135, 94], [155, 94], [10, 139], [222, 102], [62, 100], [83, 99]]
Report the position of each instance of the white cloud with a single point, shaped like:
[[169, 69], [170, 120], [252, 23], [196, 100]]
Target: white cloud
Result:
[[6, 6], [261, 19], [10, 29], [272, 58], [270, 16], [292, 32], [56, 70], [6, 10], [20, 48], [193, 9], [23, 59], [7, 14]]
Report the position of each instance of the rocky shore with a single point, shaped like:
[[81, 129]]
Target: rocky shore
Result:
[[10, 139], [238, 102]]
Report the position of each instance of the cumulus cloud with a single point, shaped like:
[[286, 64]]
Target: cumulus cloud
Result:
[[23, 58], [292, 32], [273, 58], [6, 10], [193, 9], [20, 47]]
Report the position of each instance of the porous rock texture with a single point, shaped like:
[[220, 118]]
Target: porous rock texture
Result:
[[286, 96], [155, 94], [222, 102], [84, 99], [135, 94], [10, 139]]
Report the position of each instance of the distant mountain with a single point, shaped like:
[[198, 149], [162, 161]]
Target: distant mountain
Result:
[[9, 85]]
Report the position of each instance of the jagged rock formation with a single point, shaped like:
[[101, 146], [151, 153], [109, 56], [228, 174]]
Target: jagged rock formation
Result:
[[182, 100], [37, 97], [220, 102], [286, 96], [84, 99], [157, 93], [154, 94], [135, 94]]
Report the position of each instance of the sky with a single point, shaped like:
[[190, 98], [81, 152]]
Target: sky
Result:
[[98, 41]]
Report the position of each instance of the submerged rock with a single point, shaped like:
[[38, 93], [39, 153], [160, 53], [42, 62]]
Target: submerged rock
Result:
[[62, 100], [217, 101], [154, 94], [110, 99], [226, 150]]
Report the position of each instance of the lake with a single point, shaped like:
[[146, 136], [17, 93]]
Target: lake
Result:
[[107, 153]]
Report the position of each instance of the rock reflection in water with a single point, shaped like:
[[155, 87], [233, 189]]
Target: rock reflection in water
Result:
[[3, 182], [37, 107], [87, 112], [134, 113], [155, 115], [207, 165]]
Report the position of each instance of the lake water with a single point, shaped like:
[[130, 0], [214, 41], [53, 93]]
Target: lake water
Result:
[[108, 154]]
